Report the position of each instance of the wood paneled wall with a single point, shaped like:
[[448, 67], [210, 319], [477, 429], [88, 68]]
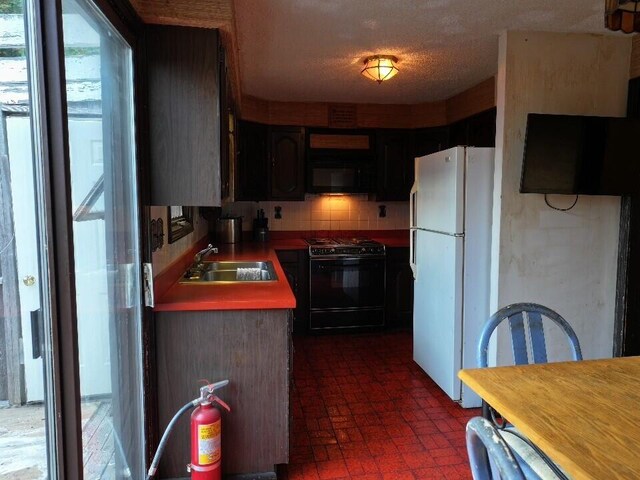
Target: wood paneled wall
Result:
[[474, 100], [316, 114], [186, 13], [634, 67]]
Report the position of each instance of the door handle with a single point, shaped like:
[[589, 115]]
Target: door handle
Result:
[[37, 334], [29, 280]]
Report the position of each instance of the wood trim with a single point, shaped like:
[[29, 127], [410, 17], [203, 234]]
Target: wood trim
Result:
[[186, 13], [343, 142], [477, 99]]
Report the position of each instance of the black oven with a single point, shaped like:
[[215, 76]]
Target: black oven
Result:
[[346, 292], [340, 173]]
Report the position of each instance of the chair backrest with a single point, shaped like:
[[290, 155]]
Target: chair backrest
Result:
[[516, 314], [488, 451]]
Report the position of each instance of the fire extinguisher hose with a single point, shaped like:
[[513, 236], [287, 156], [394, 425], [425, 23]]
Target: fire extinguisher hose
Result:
[[165, 436]]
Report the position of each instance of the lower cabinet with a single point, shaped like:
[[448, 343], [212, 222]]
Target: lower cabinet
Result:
[[250, 348], [399, 291], [295, 264]]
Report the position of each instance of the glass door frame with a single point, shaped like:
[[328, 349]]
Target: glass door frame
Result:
[[49, 29]]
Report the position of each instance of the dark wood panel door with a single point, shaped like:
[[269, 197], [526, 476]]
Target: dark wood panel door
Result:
[[253, 162], [287, 163], [430, 140], [395, 164], [295, 264], [399, 292], [184, 115]]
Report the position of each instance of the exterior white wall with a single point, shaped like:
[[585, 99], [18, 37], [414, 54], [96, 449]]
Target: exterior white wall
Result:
[[564, 260]]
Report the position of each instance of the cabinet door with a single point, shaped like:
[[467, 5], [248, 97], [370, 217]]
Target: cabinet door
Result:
[[430, 140], [287, 163], [252, 160], [395, 164], [482, 129], [184, 115], [295, 266], [399, 293]]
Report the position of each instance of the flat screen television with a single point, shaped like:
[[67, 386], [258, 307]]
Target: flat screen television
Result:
[[570, 154]]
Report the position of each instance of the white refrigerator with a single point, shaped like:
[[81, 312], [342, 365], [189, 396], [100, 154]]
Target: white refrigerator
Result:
[[451, 210]]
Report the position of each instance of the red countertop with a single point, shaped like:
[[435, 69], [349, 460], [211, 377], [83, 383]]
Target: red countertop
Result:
[[174, 296], [170, 295]]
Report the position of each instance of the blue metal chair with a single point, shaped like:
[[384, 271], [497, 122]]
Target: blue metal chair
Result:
[[522, 316], [489, 455], [516, 315]]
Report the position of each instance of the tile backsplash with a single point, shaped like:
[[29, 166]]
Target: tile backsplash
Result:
[[325, 212]]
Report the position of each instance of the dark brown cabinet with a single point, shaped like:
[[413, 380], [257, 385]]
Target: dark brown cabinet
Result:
[[184, 115], [399, 291], [227, 131], [430, 140], [395, 164], [476, 131], [252, 162], [295, 264], [287, 163]]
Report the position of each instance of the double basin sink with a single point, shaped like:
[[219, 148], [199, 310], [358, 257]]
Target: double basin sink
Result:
[[230, 272]]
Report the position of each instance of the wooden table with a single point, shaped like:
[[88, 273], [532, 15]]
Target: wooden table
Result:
[[584, 415]]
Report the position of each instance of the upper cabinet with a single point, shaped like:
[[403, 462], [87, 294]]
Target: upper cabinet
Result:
[[253, 162], [287, 163], [184, 115], [476, 131], [395, 164]]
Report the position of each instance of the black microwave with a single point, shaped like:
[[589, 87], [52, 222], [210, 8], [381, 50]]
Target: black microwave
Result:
[[340, 173]]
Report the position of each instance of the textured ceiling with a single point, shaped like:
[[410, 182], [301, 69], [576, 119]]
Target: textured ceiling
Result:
[[312, 50]]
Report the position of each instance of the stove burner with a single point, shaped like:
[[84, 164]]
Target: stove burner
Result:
[[355, 247]]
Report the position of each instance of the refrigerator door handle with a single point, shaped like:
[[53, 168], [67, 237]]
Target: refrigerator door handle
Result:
[[413, 206], [413, 234]]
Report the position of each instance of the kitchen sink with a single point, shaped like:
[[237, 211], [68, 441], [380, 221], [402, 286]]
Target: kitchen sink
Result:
[[230, 272]]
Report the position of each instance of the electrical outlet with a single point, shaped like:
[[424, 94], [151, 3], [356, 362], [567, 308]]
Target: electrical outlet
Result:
[[277, 212], [382, 211]]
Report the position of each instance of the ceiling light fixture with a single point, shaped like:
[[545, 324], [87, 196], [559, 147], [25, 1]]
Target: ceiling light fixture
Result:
[[380, 67], [622, 15]]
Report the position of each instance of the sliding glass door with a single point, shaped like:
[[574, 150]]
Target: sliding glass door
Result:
[[99, 87], [28, 447]]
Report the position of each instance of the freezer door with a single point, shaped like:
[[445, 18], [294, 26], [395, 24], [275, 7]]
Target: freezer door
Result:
[[437, 311], [439, 202]]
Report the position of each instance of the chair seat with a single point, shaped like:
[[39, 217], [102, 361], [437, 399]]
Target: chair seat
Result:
[[532, 464]]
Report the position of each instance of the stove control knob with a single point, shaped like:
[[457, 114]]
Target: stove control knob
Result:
[[333, 250], [363, 250]]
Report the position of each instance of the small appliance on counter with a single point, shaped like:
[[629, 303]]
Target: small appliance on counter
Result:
[[261, 227], [228, 229]]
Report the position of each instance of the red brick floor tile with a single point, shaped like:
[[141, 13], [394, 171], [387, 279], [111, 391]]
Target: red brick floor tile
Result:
[[363, 410], [332, 469], [398, 476]]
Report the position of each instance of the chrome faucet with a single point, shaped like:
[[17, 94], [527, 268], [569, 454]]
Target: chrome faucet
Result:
[[203, 253]]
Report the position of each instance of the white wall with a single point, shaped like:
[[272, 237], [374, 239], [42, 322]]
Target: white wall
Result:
[[564, 260], [170, 252]]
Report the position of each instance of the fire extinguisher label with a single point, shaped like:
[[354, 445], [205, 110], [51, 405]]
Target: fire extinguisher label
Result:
[[209, 443]]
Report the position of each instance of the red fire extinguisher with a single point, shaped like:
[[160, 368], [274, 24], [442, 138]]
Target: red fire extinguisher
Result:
[[206, 435], [206, 439]]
